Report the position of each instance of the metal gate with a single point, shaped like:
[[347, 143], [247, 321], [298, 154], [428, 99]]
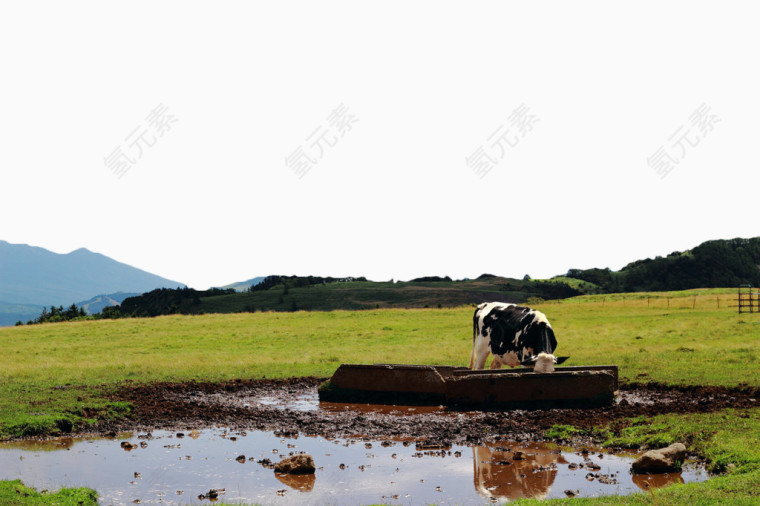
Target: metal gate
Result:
[[748, 301]]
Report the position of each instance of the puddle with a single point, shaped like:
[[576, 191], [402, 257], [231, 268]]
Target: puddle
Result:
[[309, 401], [171, 467]]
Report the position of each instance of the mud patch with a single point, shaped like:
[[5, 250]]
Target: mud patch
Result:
[[290, 407]]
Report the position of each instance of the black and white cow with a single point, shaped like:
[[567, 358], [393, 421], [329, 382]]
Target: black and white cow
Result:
[[515, 335]]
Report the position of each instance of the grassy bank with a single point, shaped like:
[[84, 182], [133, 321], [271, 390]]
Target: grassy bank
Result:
[[15, 492], [727, 440]]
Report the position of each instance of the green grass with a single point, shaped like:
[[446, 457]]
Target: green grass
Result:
[[735, 489], [728, 440], [55, 378], [15, 492], [578, 284]]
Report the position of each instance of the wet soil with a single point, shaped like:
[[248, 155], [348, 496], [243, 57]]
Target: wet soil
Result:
[[290, 407]]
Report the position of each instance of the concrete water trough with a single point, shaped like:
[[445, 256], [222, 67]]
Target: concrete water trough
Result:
[[461, 387]]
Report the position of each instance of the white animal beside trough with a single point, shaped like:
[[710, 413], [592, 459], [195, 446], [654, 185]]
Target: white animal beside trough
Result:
[[515, 335]]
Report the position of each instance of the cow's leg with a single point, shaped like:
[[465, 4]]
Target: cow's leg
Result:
[[481, 352], [495, 363]]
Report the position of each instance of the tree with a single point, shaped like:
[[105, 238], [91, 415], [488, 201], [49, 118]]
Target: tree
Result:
[[71, 313]]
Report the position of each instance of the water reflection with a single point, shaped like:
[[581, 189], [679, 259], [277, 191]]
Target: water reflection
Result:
[[504, 473], [41, 445], [300, 482], [649, 481], [164, 465]]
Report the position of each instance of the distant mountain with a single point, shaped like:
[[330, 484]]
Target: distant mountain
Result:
[[36, 276], [11, 313], [242, 286], [97, 303]]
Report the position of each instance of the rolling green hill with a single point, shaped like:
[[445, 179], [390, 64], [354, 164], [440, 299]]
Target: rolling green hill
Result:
[[292, 293], [712, 264]]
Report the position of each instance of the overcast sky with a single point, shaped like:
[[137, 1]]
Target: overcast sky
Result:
[[211, 142]]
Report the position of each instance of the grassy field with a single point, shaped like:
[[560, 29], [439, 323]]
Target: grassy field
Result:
[[54, 377]]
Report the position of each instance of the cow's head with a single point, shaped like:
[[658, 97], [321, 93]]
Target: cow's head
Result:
[[543, 362]]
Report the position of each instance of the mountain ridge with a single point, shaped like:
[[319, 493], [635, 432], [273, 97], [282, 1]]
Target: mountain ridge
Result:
[[242, 286], [34, 276]]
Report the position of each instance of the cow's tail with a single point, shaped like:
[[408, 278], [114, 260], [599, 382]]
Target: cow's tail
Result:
[[474, 336]]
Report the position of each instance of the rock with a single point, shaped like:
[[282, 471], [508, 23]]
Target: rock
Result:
[[592, 466], [660, 461], [298, 464], [212, 494], [572, 493], [241, 459]]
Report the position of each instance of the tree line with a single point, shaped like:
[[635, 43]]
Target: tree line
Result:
[[57, 314], [712, 264]]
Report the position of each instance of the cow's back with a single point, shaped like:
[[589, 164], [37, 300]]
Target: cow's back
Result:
[[512, 328]]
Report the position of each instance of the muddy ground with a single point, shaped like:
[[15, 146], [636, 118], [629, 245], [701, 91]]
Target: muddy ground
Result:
[[248, 405]]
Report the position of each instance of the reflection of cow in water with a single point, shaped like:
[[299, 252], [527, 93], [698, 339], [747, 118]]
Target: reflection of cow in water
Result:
[[498, 474]]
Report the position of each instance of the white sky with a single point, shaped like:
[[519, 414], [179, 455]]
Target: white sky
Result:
[[212, 201]]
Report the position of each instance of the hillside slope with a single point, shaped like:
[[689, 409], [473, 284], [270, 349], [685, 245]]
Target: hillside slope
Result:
[[97, 303], [712, 264], [242, 286], [291, 293]]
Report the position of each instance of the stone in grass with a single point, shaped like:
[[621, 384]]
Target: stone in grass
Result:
[[298, 464], [660, 461]]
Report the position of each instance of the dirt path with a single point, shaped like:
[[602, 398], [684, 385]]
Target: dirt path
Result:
[[290, 406]]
